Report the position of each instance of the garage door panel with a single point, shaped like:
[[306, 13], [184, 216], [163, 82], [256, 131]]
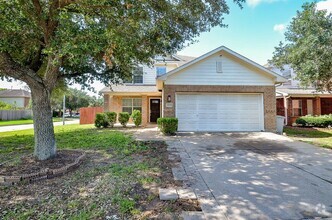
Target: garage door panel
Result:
[[219, 112]]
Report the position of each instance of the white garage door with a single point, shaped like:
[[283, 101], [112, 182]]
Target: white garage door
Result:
[[220, 112]]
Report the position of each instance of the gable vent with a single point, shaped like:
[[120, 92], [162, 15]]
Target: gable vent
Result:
[[219, 66]]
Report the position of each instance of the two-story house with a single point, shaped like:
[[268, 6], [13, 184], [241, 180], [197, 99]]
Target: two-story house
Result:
[[294, 101], [218, 91], [141, 92]]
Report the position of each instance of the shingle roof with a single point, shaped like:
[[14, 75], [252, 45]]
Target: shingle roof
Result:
[[130, 88], [299, 91], [179, 59], [14, 93]]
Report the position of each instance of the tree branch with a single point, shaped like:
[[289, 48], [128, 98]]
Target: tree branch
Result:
[[9, 67]]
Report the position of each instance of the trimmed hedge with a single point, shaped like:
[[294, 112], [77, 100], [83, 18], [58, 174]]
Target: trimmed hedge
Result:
[[137, 117], [101, 120], [315, 121], [111, 116], [124, 118], [168, 126]]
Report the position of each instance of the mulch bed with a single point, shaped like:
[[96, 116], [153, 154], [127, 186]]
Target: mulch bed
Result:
[[29, 164]]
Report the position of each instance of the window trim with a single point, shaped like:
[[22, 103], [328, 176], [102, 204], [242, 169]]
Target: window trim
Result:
[[132, 106], [132, 81], [300, 108]]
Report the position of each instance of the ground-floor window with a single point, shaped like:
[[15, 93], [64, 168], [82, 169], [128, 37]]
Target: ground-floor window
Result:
[[130, 104], [296, 107]]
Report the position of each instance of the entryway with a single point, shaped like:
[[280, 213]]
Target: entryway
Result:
[[154, 109]]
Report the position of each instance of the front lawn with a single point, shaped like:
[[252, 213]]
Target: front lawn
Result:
[[318, 136], [118, 179], [23, 122]]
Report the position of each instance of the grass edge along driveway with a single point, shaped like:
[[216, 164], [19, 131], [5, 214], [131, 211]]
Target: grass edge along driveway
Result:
[[321, 137]]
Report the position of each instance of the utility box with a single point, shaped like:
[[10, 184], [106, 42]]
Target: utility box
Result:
[[280, 124]]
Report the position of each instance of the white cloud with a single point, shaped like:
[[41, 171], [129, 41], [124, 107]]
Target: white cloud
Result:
[[254, 3], [279, 28], [325, 5]]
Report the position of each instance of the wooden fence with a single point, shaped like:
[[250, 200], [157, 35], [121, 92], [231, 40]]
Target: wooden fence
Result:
[[88, 115], [7, 115]]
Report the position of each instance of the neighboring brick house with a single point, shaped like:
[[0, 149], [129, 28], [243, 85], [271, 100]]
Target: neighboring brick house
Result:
[[16, 97], [294, 101], [218, 91]]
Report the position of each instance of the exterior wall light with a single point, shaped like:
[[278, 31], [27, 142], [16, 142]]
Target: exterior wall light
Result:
[[169, 98]]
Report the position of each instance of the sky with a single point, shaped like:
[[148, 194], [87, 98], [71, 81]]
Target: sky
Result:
[[252, 31]]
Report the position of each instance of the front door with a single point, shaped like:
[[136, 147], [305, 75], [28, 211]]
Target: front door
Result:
[[154, 109]]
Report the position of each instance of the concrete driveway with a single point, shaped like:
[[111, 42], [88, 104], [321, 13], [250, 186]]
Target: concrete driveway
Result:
[[257, 176]]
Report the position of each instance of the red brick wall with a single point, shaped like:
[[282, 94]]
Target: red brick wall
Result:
[[326, 106], [280, 107]]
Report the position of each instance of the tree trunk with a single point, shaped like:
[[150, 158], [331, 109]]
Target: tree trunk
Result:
[[45, 146]]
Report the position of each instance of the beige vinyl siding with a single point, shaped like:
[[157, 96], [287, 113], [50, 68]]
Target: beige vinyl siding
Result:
[[149, 75], [234, 72]]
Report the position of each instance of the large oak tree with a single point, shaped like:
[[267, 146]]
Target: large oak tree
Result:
[[308, 47], [44, 42]]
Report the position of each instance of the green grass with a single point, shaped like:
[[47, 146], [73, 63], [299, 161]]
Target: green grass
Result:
[[318, 136], [24, 122], [69, 137], [109, 182]]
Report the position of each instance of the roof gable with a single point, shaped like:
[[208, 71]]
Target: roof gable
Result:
[[11, 93], [241, 59]]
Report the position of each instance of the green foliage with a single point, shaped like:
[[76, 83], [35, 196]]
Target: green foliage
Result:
[[124, 118], [83, 35], [168, 126], [137, 117], [101, 120], [111, 117], [315, 121], [5, 106], [308, 47]]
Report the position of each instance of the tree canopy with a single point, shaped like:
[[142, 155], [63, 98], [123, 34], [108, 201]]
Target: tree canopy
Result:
[[47, 42], [308, 47]]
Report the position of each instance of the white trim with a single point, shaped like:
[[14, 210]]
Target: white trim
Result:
[[278, 78], [161, 105], [261, 115]]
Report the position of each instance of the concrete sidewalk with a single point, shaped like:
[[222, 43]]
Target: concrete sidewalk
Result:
[[30, 126]]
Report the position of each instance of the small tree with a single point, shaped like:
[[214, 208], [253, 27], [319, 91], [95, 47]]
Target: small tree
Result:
[[137, 117], [124, 118]]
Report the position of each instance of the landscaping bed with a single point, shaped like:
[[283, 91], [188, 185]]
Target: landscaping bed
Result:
[[118, 179], [321, 137]]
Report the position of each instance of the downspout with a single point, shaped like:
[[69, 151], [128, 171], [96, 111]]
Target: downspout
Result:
[[286, 108]]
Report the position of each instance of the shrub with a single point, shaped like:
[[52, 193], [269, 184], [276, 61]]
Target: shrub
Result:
[[124, 118], [101, 120], [315, 121], [111, 116], [5, 106], [137, 117], [168, 126]]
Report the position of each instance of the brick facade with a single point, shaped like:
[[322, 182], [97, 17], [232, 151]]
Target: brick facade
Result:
[[267, 91], [326, 106]]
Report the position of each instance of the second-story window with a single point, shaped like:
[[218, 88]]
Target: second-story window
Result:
[[138, 75], [161, 70]]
